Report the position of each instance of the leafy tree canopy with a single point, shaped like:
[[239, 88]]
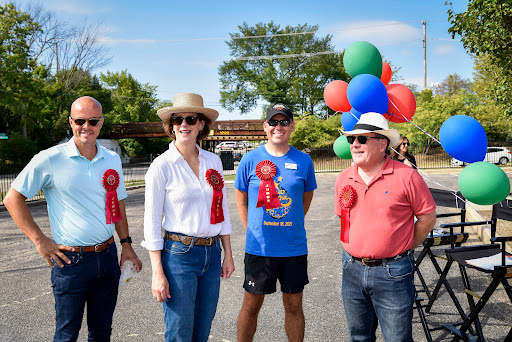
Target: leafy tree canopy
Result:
[[486, 29], [452, 84], [277, 64]]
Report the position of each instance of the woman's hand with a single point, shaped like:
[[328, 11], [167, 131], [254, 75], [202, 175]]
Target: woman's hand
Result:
[[228, 267], [160, 287]]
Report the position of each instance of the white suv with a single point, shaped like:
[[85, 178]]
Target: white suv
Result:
[[227, 145], [495, 155]]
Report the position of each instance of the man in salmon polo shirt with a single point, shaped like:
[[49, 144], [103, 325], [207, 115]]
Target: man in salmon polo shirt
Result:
[[377, 199]]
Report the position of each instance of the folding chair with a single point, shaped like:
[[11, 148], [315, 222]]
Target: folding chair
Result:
[[435, 239], [442, 198], [490, 259]]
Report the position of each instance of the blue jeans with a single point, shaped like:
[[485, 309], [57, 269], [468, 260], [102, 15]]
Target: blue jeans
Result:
[[93, 278], [193, 273], [373, 294]]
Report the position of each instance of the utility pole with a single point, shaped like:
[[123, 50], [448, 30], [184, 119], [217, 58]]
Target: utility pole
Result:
[[424, 24]]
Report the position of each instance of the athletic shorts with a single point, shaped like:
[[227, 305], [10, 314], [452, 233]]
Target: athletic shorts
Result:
[[262, 273]]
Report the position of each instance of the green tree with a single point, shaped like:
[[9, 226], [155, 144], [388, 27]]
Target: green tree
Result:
[[313, 132], [17, 85], [277, 64], [452, 84], [132, 101], [486, 29]]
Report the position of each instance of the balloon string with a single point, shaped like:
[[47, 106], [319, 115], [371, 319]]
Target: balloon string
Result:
[[409, 121], [425, 175], [454, 192]]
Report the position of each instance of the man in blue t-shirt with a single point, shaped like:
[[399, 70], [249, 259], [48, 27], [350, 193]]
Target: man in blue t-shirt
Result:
[[275, 185]]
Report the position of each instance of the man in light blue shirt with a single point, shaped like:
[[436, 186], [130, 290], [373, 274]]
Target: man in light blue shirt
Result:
[[84, 189]]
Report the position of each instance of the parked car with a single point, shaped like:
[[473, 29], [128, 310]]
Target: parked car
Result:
[[246, 144], [227, 145], [495, 155]]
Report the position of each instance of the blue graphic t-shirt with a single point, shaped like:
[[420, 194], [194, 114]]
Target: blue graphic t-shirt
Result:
[[277, 232]]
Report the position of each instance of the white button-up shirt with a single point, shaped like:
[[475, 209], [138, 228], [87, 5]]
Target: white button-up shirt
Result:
[[177, 201]]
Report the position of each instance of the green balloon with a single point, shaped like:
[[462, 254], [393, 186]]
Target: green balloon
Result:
[[362, 58], [342, 148], [484, 183]]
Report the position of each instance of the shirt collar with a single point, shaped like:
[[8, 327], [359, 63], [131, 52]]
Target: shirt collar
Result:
[[73, 151], [175, 155]]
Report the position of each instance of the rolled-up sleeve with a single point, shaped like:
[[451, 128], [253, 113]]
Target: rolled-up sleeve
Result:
[[153, 208]]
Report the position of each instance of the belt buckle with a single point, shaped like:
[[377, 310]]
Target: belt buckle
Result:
[[367, 261], [186, 240], [98, 246], [209, 241]]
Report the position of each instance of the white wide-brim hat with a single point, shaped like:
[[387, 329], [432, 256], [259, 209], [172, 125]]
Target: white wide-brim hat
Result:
[[187, 103], [374, 123]]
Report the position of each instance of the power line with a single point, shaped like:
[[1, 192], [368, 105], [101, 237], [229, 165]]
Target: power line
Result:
[[261, 36]]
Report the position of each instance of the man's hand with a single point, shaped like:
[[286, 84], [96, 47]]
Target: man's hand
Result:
[[50, 250], [129, 254]]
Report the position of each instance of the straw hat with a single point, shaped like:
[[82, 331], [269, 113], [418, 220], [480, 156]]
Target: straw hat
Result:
[[376, 123], [187, 103]]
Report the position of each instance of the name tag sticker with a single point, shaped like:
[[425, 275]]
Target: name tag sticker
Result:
[[290, 166]]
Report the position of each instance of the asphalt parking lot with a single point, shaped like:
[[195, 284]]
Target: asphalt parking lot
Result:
[[26, 300]]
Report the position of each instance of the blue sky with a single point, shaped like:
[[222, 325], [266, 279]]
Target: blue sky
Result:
[[179, 45]]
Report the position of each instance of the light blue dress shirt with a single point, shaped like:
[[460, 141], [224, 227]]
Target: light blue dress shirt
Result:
[[74, 192]]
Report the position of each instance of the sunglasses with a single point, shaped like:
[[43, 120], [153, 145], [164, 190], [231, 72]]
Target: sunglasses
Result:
[[362, 139], [274, 123], [178, 120], [405, 144], [81, 122]]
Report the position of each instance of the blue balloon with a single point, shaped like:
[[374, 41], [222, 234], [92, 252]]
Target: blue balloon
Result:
[[463, 138], [366, 93], [349, 119]]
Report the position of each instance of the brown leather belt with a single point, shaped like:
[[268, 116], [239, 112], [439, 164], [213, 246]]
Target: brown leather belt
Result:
[[187, 240], [96, 248], [378, 262], [368, 261]]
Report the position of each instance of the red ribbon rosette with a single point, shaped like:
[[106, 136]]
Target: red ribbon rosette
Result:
[[347, 198], [110, 183], [267, 193], [214, 178]]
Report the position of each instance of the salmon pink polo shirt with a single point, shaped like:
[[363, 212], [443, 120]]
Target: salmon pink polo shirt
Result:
[[382, 215]]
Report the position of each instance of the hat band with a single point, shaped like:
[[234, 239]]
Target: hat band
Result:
[[367, 127]]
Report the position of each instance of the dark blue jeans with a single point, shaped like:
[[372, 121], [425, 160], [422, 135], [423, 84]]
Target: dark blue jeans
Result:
[[373, 294], [91, 278], [193, 273]]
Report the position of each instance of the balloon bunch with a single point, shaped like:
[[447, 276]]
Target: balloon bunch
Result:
[[368, 91], [461, 136], [464, 138]]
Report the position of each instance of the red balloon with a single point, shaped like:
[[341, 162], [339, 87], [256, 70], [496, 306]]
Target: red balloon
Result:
[[402, 103], [335, 96], [386, 73]]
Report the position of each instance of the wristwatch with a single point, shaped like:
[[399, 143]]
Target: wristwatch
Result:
[[126, 239]]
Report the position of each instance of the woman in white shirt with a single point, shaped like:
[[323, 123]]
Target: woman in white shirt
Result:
[[185, 195]]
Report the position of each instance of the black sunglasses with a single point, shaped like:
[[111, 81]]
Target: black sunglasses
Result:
[[284, 123], [405, 143], [81, 122], [178, 120], [362, 139]]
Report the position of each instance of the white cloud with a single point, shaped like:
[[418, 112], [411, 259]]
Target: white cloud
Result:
[[379, 33], [444, 49], [80, 7]]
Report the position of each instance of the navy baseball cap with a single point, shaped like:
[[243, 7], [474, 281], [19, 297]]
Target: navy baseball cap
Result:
[[279, 108]]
